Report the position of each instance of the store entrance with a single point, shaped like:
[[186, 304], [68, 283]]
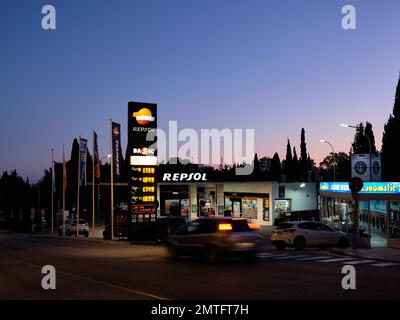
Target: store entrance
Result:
[[174, 200], [374, 223]]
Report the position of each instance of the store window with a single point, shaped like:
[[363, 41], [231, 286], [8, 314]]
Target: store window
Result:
[[394, 221], [206, 201], [249, 208]]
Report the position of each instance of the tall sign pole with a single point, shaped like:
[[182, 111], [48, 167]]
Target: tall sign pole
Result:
[[112, 180], [142, 153], [79, 186], [93, 165], [52, 190], [64, 187]]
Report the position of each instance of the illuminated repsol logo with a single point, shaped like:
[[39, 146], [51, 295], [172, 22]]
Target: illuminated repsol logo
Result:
[[184, 177]]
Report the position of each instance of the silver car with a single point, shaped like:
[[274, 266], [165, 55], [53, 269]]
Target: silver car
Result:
[[215, 238]]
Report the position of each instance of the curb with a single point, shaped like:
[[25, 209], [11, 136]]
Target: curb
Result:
[[87, 240], [356, 254]]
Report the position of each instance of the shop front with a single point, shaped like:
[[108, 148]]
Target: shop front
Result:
[[378, 211], [258, 201]]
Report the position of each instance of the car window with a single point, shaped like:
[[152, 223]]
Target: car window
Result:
[[193, 227], [284, 226], [325, 228], [208, 227], [308, 226]]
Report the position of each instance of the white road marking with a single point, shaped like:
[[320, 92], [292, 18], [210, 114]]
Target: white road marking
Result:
[[264, 254], [277, 255], [336, 260], [358, 261], [313, 258], [293, 257], [385, 264]]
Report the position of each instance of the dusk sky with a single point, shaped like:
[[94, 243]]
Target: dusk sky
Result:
[[275, 66]]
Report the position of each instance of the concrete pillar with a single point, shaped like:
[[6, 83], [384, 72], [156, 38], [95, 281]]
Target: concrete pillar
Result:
[[220, 199], [193, 201]]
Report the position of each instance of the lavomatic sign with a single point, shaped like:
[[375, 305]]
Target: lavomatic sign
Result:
[[142, 125], [368, 187]]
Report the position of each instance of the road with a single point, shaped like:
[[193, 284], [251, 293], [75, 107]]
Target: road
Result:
[[94, 270]]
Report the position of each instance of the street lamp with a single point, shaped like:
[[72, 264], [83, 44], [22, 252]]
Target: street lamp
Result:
[[334, 158], [369, 144]]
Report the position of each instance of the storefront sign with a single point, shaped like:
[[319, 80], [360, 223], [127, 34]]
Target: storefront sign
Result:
[[142, 119], [368, 188], [185, 177]]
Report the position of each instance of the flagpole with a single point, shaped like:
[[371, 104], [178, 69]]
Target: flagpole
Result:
[[52, 191], [93, 203], [64, 185], [79, 185], [112, 182]]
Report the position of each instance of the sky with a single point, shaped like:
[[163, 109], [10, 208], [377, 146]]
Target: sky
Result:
[[274, 66]]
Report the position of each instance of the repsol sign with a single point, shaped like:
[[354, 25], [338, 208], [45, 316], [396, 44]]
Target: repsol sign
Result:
[[184, 177]]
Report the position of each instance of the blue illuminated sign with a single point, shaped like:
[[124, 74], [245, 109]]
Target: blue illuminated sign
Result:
[[368, 188]]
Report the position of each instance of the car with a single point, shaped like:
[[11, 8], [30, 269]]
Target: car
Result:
[[301, 234], [70, 228], [168, 225], [215, 238]]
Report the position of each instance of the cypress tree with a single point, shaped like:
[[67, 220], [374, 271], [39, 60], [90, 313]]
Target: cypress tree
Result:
[[390, 142]]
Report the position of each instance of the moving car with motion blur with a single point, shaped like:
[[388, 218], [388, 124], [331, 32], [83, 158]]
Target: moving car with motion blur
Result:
[[301, 234], [215, 238], [168, 225], [71, 228]]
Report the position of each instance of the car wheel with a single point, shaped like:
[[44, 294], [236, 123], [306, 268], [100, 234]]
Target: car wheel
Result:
[[87, 234], [212, 255], [172, 253], [343, 243], [299, 243], [280, 246]]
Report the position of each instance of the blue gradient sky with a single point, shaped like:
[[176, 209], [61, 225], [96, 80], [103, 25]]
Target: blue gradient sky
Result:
[[275, 66]]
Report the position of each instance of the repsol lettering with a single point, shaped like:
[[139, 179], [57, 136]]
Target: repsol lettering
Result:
[[185, 177]]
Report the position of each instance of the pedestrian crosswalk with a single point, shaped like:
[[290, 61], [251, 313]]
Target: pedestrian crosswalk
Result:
[[325, 259]]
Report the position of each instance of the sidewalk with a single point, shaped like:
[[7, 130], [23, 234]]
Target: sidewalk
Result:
[[387, 254]]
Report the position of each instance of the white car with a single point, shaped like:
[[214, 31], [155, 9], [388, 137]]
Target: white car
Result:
[[71, 228], [301, 234]]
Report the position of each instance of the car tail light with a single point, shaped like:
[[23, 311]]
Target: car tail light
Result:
[[253, 225], [225, 227], [289, 230]]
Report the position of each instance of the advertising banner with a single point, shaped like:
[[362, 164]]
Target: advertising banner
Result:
[[376, 167], [82, 161], [117, 151], [96, 158], [368, 187], [142, 123]]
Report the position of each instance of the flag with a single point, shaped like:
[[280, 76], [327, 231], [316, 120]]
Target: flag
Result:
[[64, 173], [117, 150], [96, 159], [82, 161]]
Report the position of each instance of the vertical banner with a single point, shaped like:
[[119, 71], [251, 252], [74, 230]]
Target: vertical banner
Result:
[[82, 161], [117, 150], [142, 152], [96, 158]]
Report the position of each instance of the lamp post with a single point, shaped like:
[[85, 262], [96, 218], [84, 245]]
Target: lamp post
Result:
[[369, 144], [334, 158]]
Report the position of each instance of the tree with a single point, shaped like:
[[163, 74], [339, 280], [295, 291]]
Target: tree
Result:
[[303, 146], [256, 166], [390, 141], [288, 166], [341, 162], [295, 166], [369, 133], [275, 170]]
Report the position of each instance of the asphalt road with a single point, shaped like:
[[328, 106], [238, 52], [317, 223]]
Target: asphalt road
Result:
[[93, 270]]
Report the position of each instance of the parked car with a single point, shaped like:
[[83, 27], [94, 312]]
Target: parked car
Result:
[[168, 225], [71, 228], [215, 238], [301, 234]]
